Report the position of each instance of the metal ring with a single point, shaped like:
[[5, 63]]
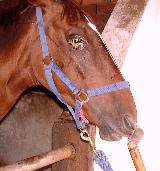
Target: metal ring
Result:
[[82, 96]]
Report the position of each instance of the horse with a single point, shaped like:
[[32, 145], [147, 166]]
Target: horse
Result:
[[77, 49]]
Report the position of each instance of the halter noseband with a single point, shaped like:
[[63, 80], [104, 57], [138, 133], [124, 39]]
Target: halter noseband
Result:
[[81, 96]]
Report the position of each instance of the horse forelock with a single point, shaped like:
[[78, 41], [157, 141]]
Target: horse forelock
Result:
[[73, 12]]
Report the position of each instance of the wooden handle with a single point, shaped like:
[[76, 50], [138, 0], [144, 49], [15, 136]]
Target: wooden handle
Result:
[[136, 157]]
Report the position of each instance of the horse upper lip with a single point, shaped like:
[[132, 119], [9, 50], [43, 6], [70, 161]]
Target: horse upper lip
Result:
[[109, 136]]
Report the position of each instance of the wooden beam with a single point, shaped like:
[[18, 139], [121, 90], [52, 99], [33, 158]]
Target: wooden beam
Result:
[[121, 27], [41, 160], [66, 132], [90, 2]]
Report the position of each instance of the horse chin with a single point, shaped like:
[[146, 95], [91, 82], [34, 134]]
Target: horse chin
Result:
[[109, 136]]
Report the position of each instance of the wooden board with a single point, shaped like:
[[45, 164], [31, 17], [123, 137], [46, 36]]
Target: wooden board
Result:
[[66, 132], [121, 26]]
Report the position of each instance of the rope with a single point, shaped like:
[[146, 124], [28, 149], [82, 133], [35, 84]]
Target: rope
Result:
[[100, 158]]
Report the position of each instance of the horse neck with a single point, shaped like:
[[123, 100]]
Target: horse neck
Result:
[[17, 34]]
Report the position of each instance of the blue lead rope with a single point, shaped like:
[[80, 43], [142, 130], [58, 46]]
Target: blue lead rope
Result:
[[101, 159], [99, 156]]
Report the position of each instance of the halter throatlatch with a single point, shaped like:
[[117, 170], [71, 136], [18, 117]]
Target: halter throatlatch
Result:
[[81, 96]]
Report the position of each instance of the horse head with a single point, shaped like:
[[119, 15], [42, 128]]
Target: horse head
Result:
[[79, 51]]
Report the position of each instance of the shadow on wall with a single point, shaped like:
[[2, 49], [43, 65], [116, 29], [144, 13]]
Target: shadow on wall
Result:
[[27, 129]]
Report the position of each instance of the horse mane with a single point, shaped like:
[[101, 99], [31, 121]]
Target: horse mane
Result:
[[10, 11]]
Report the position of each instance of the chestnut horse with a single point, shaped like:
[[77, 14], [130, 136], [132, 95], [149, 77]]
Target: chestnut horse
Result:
[[78, 51]]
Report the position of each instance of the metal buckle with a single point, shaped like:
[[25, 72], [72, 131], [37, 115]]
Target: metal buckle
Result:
[[47, 60], [82, 96]]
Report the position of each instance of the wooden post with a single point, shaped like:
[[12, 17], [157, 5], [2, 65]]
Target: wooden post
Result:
[[65, 132], [121, 26], [136, 157], [41, 160]]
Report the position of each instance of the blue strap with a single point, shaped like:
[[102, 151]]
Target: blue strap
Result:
[[53, 67], [65, 79], [80, 123], [48, 74], [44, 45], [108, 88], [101, 159], [45, 52]]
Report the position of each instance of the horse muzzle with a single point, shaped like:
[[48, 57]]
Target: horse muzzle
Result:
[[129, 129]]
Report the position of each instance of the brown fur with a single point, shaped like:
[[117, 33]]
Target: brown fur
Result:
[[22, 67]]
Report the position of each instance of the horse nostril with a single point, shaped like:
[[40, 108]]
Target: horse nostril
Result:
[[128, 123]]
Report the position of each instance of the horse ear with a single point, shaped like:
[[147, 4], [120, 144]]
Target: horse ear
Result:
[[40, 3]]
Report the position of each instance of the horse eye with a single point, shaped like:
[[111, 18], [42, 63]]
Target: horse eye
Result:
[[76, 41]]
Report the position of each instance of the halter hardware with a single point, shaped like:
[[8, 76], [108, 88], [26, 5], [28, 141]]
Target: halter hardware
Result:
[[82, 96], [47, 60], [86, 137]]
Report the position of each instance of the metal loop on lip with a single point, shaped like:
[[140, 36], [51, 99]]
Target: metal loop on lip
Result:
[[82, 96]]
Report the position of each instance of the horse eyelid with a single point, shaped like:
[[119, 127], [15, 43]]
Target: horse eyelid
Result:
[[77, 41]]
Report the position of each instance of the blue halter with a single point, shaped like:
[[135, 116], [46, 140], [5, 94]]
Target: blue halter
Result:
[[82, 96]]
